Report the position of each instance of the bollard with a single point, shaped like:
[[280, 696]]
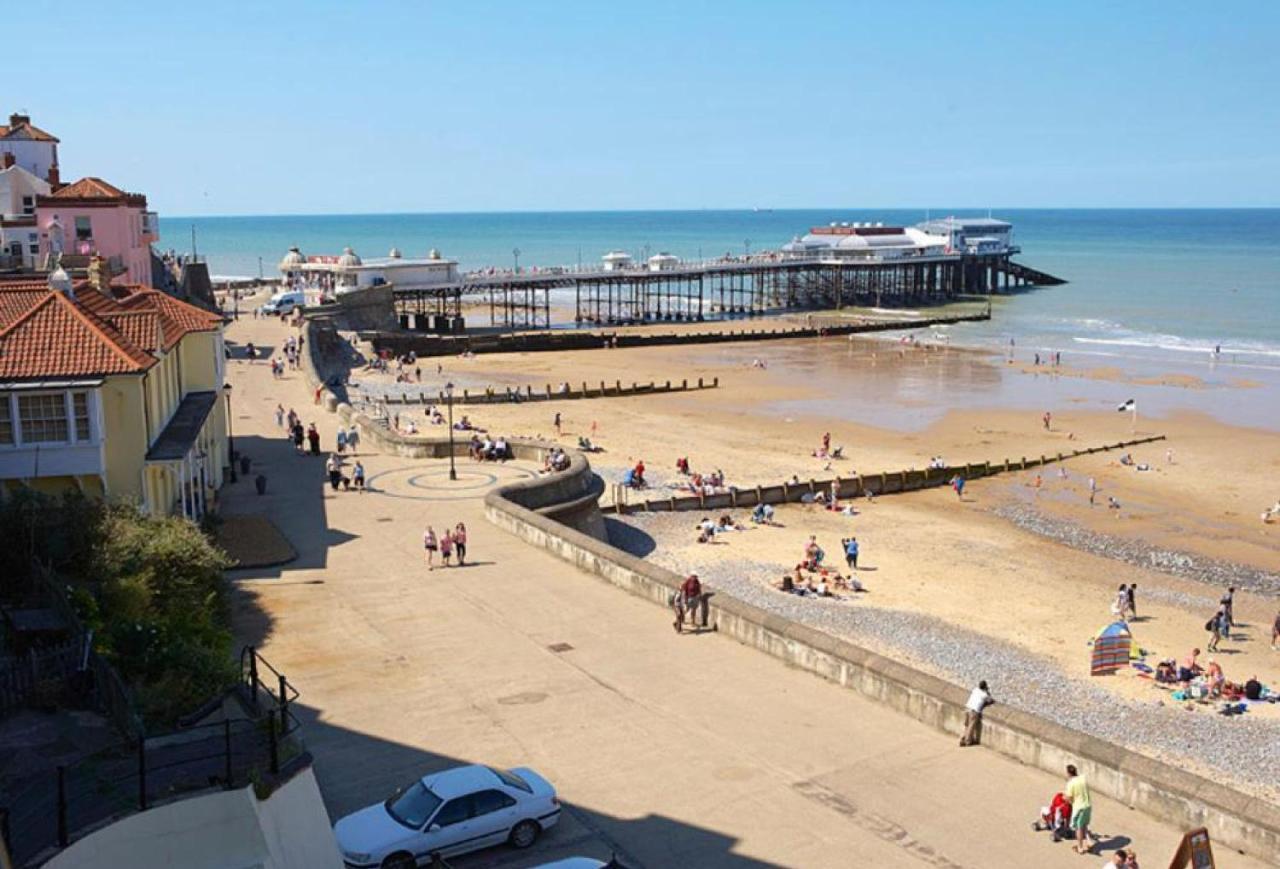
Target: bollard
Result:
[[1024, 463]]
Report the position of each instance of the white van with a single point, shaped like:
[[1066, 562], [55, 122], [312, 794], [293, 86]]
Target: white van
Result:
[[283, 303]]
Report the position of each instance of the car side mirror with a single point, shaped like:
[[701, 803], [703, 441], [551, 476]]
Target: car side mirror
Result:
[[433, 828]]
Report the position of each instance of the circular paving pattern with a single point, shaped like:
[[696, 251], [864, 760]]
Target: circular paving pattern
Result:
[[432, 483]]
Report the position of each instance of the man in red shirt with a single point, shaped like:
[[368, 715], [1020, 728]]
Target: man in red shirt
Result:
[[639, 473], [689, 599]]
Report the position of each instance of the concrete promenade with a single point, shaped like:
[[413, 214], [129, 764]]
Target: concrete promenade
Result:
[[675, 750]]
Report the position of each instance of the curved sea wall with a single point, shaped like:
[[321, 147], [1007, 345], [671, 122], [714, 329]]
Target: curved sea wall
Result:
[[1163, 791]]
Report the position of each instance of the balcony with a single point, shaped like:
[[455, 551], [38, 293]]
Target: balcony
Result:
[[150, 227]]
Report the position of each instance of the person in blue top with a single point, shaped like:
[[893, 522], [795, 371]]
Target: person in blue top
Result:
[[851, 553]]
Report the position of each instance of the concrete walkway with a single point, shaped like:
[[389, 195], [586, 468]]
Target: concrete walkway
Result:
[[675, 750]]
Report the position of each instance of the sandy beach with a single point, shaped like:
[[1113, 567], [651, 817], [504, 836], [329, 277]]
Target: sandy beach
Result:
[[1009, 584]]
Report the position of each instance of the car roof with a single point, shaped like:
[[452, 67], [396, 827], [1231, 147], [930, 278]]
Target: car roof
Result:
[[460, 780]]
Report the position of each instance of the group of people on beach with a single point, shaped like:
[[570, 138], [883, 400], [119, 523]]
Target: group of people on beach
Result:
[[450, 543]]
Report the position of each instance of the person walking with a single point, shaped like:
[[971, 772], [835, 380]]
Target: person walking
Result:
[[1228, 601], [979, 699], [1214, 627], [1131, 601], [557, 422], [313, 439], [460, 543], [279, 416], [297, 437], [851, 553], [353, 438], [430, 544], [446, 549], [690, 599], [342, 439], [957, 483], [334, 470], [1093, 490], [1077, 791], [1275, 633], [357, 477], [1121, 603]]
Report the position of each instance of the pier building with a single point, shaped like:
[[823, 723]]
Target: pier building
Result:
[[347, 272]]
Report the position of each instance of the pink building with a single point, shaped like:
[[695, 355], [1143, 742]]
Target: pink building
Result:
[[92, 216]]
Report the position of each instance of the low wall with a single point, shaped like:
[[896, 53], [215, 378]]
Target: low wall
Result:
[[550, 393], [1172, 795], [400, 343], [884, 483]]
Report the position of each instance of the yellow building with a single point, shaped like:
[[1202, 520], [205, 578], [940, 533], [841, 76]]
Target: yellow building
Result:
[[117, 391]]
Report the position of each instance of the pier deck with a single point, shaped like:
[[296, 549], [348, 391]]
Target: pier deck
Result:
[[714, 289]]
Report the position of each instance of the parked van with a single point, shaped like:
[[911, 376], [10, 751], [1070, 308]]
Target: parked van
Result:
[[283, 303]]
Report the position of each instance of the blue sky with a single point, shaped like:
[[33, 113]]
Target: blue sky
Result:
[[291, 107]]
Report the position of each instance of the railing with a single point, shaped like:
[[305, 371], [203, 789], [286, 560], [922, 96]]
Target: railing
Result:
[[40, 675], [49, 811]]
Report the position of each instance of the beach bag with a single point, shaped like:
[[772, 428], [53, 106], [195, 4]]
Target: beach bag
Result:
[[1209, 625]]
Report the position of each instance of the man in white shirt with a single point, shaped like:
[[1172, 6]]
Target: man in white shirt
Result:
[[979, 700]]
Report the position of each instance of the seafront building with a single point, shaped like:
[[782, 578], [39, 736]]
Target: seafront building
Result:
[[91, 217], [347, 272], [19, 233], [114, 389]]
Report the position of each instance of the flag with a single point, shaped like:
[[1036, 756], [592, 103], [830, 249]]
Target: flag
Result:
[[1128, 405]]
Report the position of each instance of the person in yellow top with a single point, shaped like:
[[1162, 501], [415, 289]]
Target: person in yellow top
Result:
[[1077, 791]]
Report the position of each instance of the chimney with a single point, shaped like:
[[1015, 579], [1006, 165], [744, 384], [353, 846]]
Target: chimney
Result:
[[55, 180], [7, 160], [100, 274], [17, 120]]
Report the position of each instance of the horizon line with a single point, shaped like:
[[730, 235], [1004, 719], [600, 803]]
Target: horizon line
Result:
[[749, 210]]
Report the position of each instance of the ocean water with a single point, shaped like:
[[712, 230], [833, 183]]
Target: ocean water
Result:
[[1159, 285]]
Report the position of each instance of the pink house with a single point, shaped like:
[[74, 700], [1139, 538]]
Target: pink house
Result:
[[92, 216]]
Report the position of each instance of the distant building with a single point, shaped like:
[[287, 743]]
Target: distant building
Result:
[[113, 390], [663, 262], [348, 272], [19, 234], [32, 148], [93, 217], [617, 261], [863, 241], [972, 234]]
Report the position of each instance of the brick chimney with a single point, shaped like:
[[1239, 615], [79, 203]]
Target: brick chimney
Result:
[[55, 180], [17, 120], [100, 274], [7, 160]]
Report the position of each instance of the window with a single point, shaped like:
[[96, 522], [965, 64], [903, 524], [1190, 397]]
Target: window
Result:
[[84, 229], [489, 801], [28, 205], [6, 421], [453, 812], [80, 406], [413, 805], [43, 418], [511, 780]]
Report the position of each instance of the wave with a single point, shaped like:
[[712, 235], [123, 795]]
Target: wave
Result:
[[1178, 344]]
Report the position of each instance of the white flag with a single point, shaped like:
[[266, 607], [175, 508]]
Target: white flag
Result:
[[1128, 405]]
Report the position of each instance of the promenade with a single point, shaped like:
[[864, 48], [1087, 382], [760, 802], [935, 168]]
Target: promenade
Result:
[[674, 750]]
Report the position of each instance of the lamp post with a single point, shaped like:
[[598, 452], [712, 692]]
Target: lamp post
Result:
[[231, 438], [746, 246], [448, 392], [515, 254]]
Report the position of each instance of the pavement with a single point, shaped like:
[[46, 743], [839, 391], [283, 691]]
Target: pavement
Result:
[[671, 750]]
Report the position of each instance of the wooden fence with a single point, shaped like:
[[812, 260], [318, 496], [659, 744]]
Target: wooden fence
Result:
[[549, 393], [884, 483], [38, 677]]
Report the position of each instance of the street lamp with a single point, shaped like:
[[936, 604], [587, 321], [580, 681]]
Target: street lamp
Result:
[[448, 392], [746, 246], [231, 438], [515, 253]]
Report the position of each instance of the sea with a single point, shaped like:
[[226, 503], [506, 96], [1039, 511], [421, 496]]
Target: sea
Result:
[[1168, 287]]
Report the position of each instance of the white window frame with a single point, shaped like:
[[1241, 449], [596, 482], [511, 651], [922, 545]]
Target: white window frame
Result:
[[93, 409]]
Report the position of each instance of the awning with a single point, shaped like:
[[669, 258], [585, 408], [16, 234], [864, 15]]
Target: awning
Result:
[[181, 432]]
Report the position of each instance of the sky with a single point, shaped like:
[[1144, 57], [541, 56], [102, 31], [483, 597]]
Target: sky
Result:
[[357, 107]]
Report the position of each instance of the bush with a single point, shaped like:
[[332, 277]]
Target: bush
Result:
[[152, 589]]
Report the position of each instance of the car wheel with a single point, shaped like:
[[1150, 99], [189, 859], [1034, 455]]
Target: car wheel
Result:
[[525, 834], [400, 860]]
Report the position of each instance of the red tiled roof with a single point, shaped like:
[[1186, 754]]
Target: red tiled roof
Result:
[[88, 188], [58, 338], [43, 333], [26, 131]]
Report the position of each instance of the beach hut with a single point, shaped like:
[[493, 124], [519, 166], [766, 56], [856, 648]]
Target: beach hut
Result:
[[1111, 649]]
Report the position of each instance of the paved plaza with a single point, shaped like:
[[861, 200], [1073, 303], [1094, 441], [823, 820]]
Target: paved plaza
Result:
[[672, 750]]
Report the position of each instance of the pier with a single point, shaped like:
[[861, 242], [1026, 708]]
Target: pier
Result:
[[749, 286]]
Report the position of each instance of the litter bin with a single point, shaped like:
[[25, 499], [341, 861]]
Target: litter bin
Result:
[[260, 483], [244, 465]]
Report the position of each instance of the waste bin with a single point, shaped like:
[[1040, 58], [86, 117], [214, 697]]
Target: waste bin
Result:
[[244, 464], [260, 483]]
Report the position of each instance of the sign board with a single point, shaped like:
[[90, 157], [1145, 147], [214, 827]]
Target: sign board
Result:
[[1194, 852]]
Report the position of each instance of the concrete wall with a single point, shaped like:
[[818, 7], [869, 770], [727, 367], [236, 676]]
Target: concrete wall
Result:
[[1162, 791], [288, 830]]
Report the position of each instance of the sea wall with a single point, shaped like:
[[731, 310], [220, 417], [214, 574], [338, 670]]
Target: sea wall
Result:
[[1165, 792], [401, 342]]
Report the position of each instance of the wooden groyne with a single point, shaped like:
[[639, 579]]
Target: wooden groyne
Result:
[[883, 483], [558, 393], [400, 343]]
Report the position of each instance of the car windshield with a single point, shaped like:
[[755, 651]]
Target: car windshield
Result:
[[511, 780], [413, 805]]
